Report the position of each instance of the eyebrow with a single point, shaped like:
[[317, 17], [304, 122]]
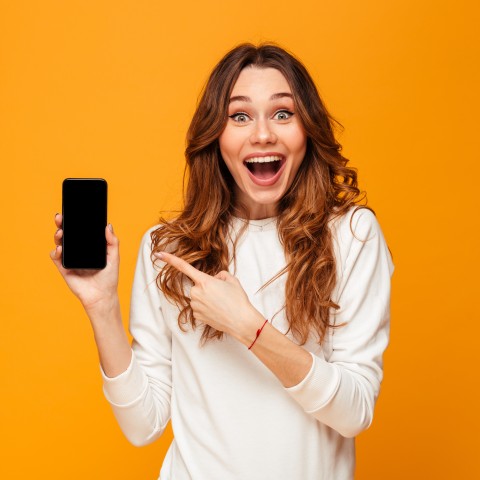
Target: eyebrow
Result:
[[275, 96]]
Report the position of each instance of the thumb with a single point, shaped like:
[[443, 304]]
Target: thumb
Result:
[[112, 240]]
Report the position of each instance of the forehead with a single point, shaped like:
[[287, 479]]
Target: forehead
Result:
[[254, 80]]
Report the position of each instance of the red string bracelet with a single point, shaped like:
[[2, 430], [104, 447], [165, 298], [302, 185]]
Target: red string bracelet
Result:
[[259, 331]]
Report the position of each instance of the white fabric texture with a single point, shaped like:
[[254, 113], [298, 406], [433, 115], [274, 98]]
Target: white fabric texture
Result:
[[232, 418]]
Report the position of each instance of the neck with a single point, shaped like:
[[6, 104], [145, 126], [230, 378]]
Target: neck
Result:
[[257, 212]]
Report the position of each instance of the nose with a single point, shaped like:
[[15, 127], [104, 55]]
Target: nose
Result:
[[262, 133]]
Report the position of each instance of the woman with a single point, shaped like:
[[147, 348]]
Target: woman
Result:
[[259, 315]]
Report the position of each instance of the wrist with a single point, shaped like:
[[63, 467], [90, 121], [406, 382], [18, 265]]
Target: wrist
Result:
[[251, 323], [258, 333], [104, 311]]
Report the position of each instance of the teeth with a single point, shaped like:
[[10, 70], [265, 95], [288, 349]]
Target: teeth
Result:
[[271, 158]]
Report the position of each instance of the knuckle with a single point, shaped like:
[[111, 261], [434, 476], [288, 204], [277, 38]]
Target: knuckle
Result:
[[195, 307]]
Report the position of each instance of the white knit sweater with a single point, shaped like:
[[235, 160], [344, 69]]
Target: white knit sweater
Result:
[[232, 419]]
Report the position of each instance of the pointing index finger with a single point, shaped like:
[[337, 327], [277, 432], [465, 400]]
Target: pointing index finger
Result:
[[184, 267]]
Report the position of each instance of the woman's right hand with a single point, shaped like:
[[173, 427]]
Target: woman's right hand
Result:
[[96, 289]]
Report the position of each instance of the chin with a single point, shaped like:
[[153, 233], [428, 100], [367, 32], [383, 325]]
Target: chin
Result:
[[266, 199]]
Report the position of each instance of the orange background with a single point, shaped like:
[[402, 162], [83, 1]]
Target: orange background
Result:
[[107, 88]]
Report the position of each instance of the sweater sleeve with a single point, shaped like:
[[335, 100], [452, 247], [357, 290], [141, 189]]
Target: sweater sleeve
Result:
[[140, 396], [341, 390]]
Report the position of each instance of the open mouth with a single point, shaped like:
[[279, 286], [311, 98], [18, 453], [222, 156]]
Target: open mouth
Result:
[[265, 168]]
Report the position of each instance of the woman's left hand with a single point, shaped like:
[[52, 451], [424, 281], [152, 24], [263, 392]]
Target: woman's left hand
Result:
[[219, 301]]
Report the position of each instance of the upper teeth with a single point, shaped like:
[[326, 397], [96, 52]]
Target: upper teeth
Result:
[[270, 158]]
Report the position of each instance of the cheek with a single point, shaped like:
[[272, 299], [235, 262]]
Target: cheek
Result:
[[229, 152], [228, 142], [298, 143]]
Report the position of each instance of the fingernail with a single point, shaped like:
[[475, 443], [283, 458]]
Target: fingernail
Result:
[[159, 255], [110, 227], [56, 215]]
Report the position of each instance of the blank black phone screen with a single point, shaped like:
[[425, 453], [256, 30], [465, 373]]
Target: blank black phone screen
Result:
[[84, 208]]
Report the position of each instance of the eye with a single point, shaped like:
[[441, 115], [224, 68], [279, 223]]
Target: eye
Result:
[[240, 117], [283, 115]]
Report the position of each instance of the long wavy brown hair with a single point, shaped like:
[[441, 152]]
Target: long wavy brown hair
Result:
[[324, 188]]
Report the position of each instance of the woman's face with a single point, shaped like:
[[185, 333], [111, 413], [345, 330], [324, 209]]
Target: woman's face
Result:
[[263, 143]]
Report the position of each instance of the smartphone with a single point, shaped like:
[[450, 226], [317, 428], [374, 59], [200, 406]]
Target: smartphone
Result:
[[84, 209]]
